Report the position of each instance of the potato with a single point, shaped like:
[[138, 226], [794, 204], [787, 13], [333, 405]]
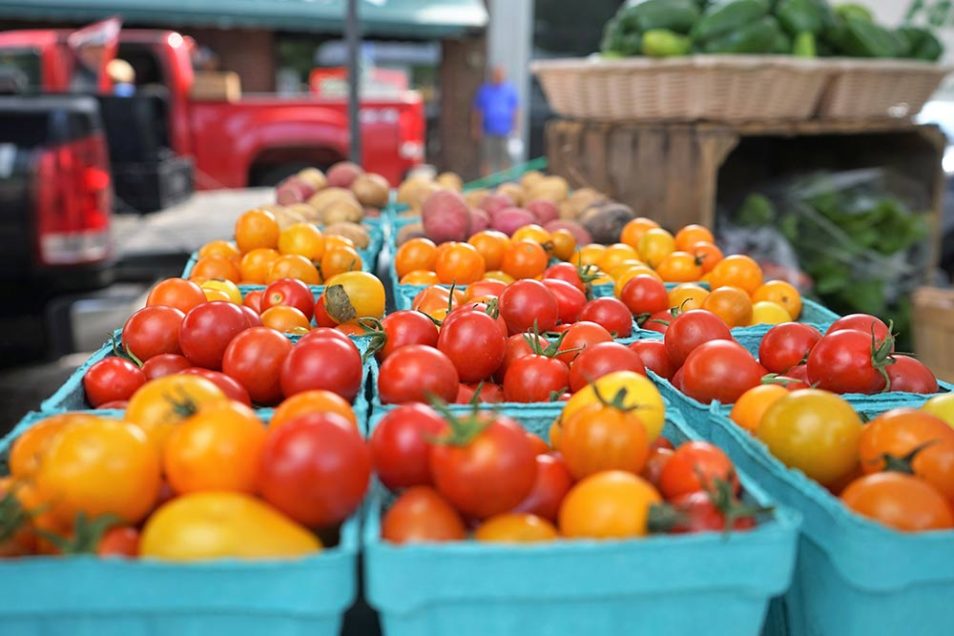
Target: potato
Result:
[[446, 217], [509, 220], [412, 230], [326, 196], [413, 191], [529, 179], [605, 222], [357, 233], [371, 190], [553, 189], [578, 231], [341, 210], [314, 177], [475, 197], [513, 191], [288, 216], [293, 190], [306, 211], [450, 181], [584, 198], [343, 174]]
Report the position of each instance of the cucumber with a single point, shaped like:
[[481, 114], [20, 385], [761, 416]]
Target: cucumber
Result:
[[665, 43], [800, 16], [859, 38], [673, 15], [612, 37], [920, 44], [755, 37], [724, 19], [805, 45]]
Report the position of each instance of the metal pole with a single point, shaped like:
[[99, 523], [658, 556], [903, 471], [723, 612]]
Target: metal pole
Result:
[[353, 41]]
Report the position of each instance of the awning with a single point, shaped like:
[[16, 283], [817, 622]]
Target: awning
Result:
[[406, 18]]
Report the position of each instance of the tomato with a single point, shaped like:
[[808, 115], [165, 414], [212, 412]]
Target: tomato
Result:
[[215, 268], [578, 337], [526, 303], [419, 515], [799, 373], [751, 407], [708, 255], [285, 320], [941, 406], [220, 289], [474, 344], [687, 296], [848, 361], [720, 370], [227, 384], [566, 272], [303, 239], [601, 359], [899, 501], [652, 353], [324, 363], [354, 295], [659, 456], [737, 271], [603, 437], [119, 541], [460, 263], [535, 378], [324, 333], [112, 379], [322, 319], [291, 293], [518, 346], [400, 445], [633, 231], [28, 450], [488, 308], [161, 404], [416, 373], [640, 391], [339, 260], [415, 254], [253, 300], [815, 431], [100, 467], [655, 245], [315, 468], [207, 330], [524, 259], [255, 358], [731, 304], [645, 295], [691, 329], [515, 527], [908, 374], [861, 322], [164, 364], [176, 293], [658, 322], [608, 505], [215, 525], [691, 234], [486, 473], [694, 467], [550, 486], [697, 512], [782, 294], [256, 264], [218, 448], [680, 267], [910, 441], [406, 327], [251, 317], [152, 331], [570, 300], [787, 345], [611, 314], [255, 229]]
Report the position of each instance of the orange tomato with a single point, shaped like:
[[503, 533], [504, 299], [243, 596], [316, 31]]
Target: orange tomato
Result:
[[285, 319], [459, 263], [303, 239], [692, 234], [516, 527], [532, 232], [614, 255], [525, 259], [780, 293], [351, 328], [215, 267], [416, 254], [490, 244], [731, 304], [679, 267], [749, 409], [216, 289], [613, 504], [436, 301], [484, 289], [655, 245], [420, 277], [739, 271], [218, 448], [599, 437], [293, 266], [336, 240], [225, 249], [629, 273], [316, 401], [899, 501], [176, 292], [708, 255], [256, 228], [161, 404], [589, 254], [255, 265], [503, 277], [563, 244], [340, 259], [633, 231], [687, 296], [28, 450]]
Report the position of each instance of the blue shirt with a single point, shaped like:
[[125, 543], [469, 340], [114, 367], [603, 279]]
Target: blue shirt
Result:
[[497, 103]]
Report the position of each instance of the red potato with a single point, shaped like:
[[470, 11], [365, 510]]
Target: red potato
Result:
[[509, 220], [544, 210], [446, 217]]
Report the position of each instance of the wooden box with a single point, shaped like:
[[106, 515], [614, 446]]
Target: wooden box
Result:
[[215, 86], [933, 325]]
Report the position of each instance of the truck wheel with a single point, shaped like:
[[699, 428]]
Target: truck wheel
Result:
[[271, 175]]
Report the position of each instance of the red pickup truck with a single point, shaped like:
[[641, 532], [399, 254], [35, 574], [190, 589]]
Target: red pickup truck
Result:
[[256, 140]]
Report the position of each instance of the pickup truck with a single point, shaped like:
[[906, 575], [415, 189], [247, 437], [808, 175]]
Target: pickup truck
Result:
[[254, 141]]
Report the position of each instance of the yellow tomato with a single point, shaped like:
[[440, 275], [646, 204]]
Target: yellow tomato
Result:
[[516, 527], [655, 245], [640, 391], [160, 404], [532, 232], [226, 287], [354, 295], [420, 277], [941, 406], [780, 293], [612, 504], [629, 274], [589, 254], [766, 312], [615, 255], [749, 409], [687, 296], [498, 275], [303, 239]]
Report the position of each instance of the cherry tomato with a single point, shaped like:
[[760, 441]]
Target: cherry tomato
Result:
[[164, 364], [162, 404], [899, 501], [910, 375], [421, 514], [316, 469], [489, 393], [751, 407], [518, 346], [535, 378], [787, 345], [689, 330], [599, 360], [653, 355], [474, 344], [645, 295], [847, 361], [252, 317], [720, 370], [698, 513], [516, 527], [231, 387], [291, 293], [120, 541], [416, 373], [565, 272], [322, 318], [601, 437], [526, 303], [610, 313], [317, 401], [658, 322], [176, 292], [112, 379], [323, 363], [608, 505], [552, 482], [570, 300], [404, 328], [861, 322], [325, 333], [255, 358], [658, 458], [578, 337], [253, 300], [207, 330], [152, 331], [694, 467], [400, 445]]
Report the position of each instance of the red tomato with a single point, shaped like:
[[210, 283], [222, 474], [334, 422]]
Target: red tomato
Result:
[[491, 473], [645, 294], [798, 373], [165, 364], [152, 331], [658, 322], [421, 515], [694, 467], [251, 317], [848, 361], [229, 385], [910, 375], [484, 288], [550, 486], [697, 513], [473, 343], [518, 347], [292, 293], [677, 378], [323, 363], [324, 333], [565, 272], [490, 393], [315, 469], [578, 337], [611, 313], [253, 300], [570, 300], [689, 330], [208, 329], [535, 378], [120, 541], [112, 379], [601, 359], [652, 353], [528, 302], [864, 323], [787, 345], [404, 328], [119, 405], [400, 445], [322, 317], [255, 358], [658, 458], [720, 370], [480, 307], [415, 373]]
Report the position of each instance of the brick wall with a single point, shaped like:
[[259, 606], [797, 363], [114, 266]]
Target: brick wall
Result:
[[248, 52]]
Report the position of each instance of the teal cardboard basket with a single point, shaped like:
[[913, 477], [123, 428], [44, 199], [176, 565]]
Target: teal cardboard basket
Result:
[[853, 576], [90, 596], [673, 585]]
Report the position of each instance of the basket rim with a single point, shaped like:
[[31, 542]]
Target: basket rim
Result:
[[683, 62]]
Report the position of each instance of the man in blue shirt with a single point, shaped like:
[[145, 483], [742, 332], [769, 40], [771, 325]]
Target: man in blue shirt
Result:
[[495, 117]]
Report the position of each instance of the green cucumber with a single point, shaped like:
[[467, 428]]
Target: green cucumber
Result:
[[648, 15], [665, 43], [724, 19], [760, 36]]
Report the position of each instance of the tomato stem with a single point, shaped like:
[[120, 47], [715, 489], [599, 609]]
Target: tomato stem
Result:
[[463, 430], [87, 534], [904, 463]]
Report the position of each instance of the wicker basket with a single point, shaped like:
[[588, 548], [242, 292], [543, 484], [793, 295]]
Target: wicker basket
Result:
[[862, 89], [934, 330], [727, 88]]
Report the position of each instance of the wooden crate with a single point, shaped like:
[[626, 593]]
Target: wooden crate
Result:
[[933, 326], [215, 86], [680, 173]]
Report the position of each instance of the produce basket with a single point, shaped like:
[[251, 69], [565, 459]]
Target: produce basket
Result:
[[729, 88], [92, 596], [656, 585], [933, 327], [853, 576], [864, 89]]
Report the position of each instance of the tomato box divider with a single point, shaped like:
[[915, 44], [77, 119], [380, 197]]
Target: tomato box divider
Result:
[[664, 584], [90, 595]]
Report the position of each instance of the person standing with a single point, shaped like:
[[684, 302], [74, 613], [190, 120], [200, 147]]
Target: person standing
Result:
[[494, 120]]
